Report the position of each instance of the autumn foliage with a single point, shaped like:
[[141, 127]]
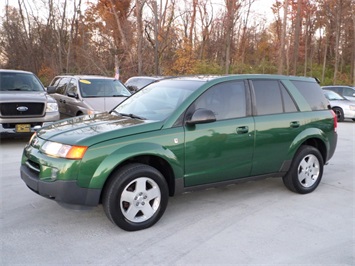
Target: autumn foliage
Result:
[[180, 37]]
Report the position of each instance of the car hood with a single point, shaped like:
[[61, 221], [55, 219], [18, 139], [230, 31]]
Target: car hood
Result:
[[342, 103], [104, 104], [24, 96], [90, 129]]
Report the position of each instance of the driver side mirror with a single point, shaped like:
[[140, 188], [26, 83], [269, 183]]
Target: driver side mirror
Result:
[[201, 116], [51, 89]]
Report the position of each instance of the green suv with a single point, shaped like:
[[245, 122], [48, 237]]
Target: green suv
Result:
[[183, 134]]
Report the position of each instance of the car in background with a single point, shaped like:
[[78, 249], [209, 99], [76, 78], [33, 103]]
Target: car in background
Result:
[[183, 134], [345, 91], [341, 106], [86, 94], [24, 103], [134, 84]]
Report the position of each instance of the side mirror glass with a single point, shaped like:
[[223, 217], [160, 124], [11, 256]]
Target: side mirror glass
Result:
[[51, 89]]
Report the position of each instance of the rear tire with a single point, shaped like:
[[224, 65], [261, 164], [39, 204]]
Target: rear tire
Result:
[[136, 197], [339, 113], [306, 170]]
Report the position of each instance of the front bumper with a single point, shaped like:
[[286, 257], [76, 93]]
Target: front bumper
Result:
[[8, 125], [60, 190]]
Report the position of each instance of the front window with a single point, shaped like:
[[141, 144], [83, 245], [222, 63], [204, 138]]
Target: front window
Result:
[[158, 100], [102, 88], [331, 95]]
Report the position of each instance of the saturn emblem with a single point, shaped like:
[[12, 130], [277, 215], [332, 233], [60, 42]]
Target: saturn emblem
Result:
[[22, 108]]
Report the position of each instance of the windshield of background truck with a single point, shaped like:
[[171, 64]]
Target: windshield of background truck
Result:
[[19, 82]]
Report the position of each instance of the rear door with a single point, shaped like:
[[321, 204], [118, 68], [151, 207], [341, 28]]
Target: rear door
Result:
[[221, 150], [277, 123]]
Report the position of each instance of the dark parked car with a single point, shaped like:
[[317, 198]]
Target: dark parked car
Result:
[[24, 103], [345, 91], [86, 94], [183, 134], [134, 84], [342, 107]]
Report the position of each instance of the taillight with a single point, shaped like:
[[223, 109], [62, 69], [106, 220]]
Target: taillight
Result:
[[335, 119]]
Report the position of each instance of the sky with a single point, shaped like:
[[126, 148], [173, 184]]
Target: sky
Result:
[[262, 7]]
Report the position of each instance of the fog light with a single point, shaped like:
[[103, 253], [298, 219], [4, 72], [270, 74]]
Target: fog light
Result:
[[54, 173]]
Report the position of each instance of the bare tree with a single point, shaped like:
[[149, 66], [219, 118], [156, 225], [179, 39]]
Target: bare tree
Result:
[[281, 57]]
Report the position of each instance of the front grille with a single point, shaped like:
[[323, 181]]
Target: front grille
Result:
[[13, 125], [33, 166], [21, 109]]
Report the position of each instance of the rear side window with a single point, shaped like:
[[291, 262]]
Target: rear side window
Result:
[[312, 93], [272, 98]]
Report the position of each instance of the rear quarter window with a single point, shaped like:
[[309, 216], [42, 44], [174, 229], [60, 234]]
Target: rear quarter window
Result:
[[313, 94]]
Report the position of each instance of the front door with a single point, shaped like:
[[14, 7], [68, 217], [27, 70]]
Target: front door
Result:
[[220, 150]]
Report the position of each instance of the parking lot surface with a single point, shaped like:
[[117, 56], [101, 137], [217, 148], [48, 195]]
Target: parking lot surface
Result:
[[258, 222]]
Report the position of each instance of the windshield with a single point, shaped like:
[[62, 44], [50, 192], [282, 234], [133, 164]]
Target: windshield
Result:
[[331, 96], [158, 100], [19, 82], [102, 88]]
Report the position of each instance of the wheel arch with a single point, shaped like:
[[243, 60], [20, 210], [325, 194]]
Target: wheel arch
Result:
[[162, 159], [154, 161], [312, 137]]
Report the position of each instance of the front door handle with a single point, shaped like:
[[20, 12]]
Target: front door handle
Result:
[[242, 130], [295, 124]]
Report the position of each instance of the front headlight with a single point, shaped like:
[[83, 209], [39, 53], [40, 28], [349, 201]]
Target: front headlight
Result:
[[63, 150], [52, 107]]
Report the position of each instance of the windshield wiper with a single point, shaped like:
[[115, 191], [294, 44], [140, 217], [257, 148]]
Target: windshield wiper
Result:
[[132, 116]]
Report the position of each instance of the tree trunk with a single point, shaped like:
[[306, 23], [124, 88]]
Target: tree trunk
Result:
[[139, 9], [280, 68], [337, 39], [297, 37]]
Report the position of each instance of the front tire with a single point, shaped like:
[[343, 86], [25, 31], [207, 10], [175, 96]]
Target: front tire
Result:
[[306, 170], [136, 197]]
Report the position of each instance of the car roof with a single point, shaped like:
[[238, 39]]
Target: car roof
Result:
[[15, 71], [84, 76], [207, 78], [337, 86]]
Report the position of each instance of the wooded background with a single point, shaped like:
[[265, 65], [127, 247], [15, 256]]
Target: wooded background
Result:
[[179, 37]]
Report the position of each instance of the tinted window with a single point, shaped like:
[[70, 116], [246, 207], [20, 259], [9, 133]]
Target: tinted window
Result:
[[348, 92], [55, 81], [19, 82], [289, 104], [62, 85], [102, 88], [72, 87], [268, 98], [227, 100], [312, 93]]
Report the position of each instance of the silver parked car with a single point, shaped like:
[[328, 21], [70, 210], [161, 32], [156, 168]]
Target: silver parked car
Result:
[[79, 95], [24, 103], [342, 107], [345, 91]]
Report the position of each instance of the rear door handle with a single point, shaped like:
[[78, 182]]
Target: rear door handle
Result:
[[295, 124], [242, 130]]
